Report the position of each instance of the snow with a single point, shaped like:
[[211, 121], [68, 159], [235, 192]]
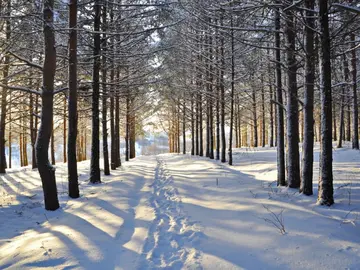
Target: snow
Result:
[[182, 212]]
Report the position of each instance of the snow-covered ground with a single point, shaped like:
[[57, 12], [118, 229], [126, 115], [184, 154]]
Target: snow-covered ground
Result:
[[174, 211]]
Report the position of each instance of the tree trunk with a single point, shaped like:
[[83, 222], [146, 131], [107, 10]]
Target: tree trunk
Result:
[[85, 145], [255, 125], [236, 129], [177, 128], [64, 130], [210, 99], [52, 149], [117, 128], [10, 137], [113, 149], [104, 94], [21, 149], [95, 138], [306, 186], [263, 124], [201, 144], [280, 113], [4, 94], [132, 134], [326, 190], [232, 93], [112, 131], [183, 128], [197, 125], [32, 131], [342, 107], [293, 162], [192, 126], [239, 123], [355, 132], [348, 112], [26, 163], [127, 129], [222, 97], [47, 172], [271, 137], [218, 87], [334, 124], [73, 185]]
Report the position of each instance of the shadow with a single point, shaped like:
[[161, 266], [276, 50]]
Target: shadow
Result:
[[93, 230], [236, 233]]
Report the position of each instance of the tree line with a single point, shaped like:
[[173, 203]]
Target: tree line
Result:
[[256, 73], [81, 69], [223, 74]]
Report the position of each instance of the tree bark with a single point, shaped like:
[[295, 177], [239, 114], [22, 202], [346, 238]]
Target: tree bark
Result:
[[26, 163], [52, 148], [232, 93], [47, 172], [104, 94], [306, 186], [95, 137], [239, 122], [117, 128], [334, 122], [21, 148], [184, 127], [197, 125], [64, 130], [127, 129], [342, 107], [113, 149], [280, 113], [210, 99], [4, 94], [222, 97], [263, 124], [293, 162], [271, 137], [10, 139], [112, 130], [326, 190], [192, 126], [73, 185], [355, 132], [255, 124], [348, 112], [201, 144], [133, 139], [177, 128]]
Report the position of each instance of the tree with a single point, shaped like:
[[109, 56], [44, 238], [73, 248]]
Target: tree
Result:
[[47, 172], [4, 93], [95, 148], [308, 144], [72, 104], [326, 190], [104, 93], [293, 164], [280, 113]]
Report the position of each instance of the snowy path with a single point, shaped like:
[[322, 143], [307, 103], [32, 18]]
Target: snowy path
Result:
[[171, 234], [182, 212]]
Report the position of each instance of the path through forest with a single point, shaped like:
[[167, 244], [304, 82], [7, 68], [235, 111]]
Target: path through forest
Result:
[[174, 211]]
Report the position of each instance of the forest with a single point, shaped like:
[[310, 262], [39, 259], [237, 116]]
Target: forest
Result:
[[257, 101]]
